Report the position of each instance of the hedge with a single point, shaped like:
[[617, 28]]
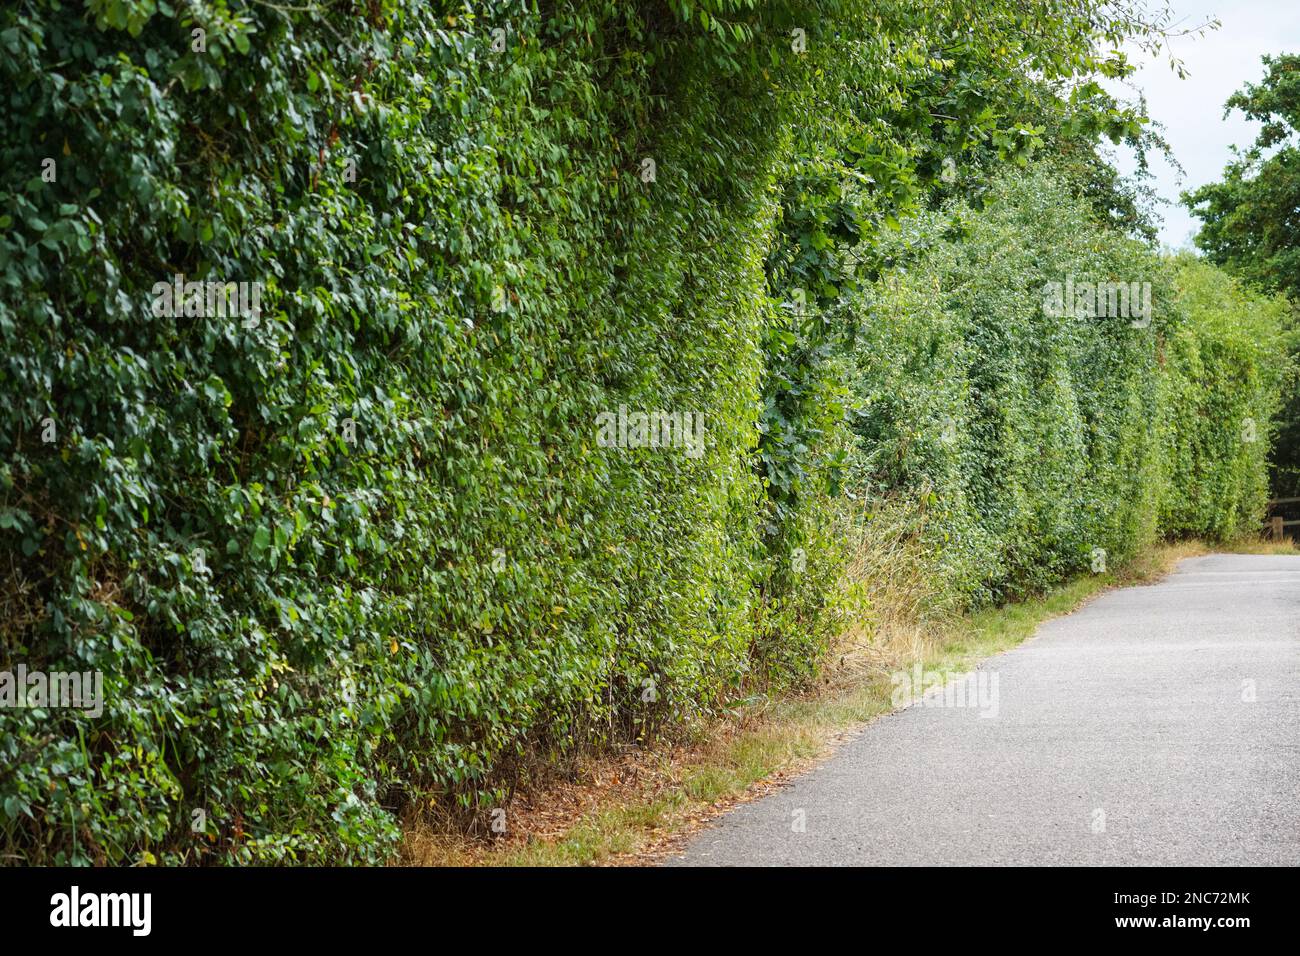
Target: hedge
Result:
[[361, 548], [1044, 442]]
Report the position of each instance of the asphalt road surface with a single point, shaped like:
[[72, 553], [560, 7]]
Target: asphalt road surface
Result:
[[1158, 725]]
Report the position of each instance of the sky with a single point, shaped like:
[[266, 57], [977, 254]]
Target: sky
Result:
[[1218, 62]]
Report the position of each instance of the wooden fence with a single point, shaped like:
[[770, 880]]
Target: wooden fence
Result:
[[1276, 525]]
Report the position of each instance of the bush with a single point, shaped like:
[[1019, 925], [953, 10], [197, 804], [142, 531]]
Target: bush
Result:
[[1040, 440], [365, 547], [1226, 370]]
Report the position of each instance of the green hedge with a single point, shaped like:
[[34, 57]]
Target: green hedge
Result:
[[1228, 368], [365, 550], [1033, 439]]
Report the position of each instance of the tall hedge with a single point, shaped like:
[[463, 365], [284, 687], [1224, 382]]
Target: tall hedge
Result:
[[1041, 442], [1228, 367], [367, 549], [364, 546]]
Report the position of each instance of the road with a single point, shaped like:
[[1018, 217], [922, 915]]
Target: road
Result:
[[1157, 725]]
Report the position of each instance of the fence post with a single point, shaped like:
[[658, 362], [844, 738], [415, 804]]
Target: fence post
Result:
[[1277, 528]]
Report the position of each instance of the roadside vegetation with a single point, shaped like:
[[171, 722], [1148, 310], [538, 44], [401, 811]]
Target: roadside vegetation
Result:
[[610, 366], [1249, 225], [638, 807]]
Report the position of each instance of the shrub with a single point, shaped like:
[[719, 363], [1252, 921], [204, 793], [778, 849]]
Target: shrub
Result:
[[366, 547], [1041, 439]]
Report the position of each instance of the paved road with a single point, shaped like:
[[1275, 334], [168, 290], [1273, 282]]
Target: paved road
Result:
[[1159, 725]]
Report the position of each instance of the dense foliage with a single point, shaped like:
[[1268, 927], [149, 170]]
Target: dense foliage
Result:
[[1249, 219], [1250, 224], [366, 548], [1036, 439]]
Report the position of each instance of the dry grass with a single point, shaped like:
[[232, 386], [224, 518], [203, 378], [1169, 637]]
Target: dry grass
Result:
[[1260, 546], [641, 806]]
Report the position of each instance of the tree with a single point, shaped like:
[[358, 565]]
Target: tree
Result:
[[1252, 217]]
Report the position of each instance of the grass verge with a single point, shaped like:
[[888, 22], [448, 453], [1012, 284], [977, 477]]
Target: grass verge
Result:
[[640, 807]]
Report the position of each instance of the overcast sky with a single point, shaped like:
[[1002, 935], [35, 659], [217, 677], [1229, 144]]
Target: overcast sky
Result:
[[1218, 63]]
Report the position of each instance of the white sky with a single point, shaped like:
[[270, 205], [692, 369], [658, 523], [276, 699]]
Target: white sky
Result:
[[1218, 63]]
